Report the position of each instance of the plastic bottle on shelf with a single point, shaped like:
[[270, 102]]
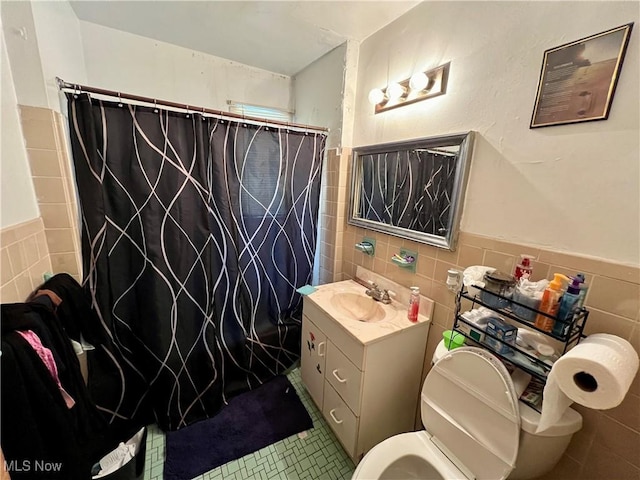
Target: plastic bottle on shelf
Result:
[[583, 290], [414, 304], [568, 305], [550, 303], [524, 268]]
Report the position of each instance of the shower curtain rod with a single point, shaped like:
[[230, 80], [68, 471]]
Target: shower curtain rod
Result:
[[74, 87]]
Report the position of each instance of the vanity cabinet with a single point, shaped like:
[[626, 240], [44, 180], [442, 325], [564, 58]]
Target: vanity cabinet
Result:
[[367, 386]]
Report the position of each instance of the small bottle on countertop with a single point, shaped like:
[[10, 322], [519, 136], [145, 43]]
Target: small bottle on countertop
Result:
[[524, 268], [414, 304]]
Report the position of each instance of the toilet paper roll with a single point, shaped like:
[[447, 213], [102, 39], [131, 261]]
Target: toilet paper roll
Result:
[[596, 373]]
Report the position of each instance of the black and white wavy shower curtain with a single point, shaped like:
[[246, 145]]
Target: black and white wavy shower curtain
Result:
[[409, 188], [196, 233]]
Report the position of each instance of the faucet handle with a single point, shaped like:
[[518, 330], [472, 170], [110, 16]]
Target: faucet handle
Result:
[[390, 293], [372, 284]]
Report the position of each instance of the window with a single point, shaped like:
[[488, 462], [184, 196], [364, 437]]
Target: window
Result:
[[259, 111]]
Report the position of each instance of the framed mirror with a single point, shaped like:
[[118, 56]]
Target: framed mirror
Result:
[[412, 189]]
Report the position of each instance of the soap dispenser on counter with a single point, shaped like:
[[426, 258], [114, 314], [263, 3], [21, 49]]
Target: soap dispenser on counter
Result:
[[414, 304]]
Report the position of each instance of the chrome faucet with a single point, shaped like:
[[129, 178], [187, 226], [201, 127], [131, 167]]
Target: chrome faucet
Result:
[[383, 295]]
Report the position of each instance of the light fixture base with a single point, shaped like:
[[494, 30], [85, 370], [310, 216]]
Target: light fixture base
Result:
[[438, 79]]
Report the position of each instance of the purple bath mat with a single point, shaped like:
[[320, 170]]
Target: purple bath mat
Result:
[[251, 421]]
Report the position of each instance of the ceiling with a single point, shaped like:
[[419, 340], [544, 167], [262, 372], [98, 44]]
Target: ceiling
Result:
[[279, 36]]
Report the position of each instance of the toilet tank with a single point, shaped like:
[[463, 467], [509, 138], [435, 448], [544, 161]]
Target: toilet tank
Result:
[[539, 453]]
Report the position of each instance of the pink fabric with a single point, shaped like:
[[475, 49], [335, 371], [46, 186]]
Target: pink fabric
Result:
[[47, 358]]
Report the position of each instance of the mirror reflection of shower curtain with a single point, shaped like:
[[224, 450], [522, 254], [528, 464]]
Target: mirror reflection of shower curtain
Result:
[[196, 233], [410, 189]]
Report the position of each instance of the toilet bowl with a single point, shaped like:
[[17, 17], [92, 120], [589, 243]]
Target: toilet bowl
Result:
[[475, 428]]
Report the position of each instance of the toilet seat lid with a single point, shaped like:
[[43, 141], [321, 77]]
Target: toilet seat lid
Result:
[[470, 407]]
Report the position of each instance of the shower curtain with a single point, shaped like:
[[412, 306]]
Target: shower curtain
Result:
[[196, 233], [410, 189]]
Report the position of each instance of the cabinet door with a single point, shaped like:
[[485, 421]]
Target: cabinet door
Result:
[[312, 359]]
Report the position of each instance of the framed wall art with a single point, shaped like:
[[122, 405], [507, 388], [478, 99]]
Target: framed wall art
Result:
[[578, 79]]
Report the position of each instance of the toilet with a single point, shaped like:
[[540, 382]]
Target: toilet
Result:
[[475, 428]]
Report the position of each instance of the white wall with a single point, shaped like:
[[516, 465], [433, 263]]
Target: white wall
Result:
[[60, 46], [130, 63], [573, 188], [318, 93], [17, 197], [24, 54]]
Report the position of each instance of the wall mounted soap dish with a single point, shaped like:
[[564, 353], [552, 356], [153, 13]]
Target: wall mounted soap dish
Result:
[[367, 246], [406, 259]]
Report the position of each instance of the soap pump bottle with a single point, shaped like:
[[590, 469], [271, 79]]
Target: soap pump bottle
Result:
[[414, 304], [524, 268], [568, 304], [550, 303]]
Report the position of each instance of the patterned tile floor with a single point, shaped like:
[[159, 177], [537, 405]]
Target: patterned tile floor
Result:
[[318, 456]]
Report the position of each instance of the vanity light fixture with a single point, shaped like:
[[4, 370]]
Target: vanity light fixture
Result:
[[395, 91], [418, 81], [420, 86], [376, 96]]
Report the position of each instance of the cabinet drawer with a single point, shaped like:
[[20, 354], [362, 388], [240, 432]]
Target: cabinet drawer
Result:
[[341, 420], [344, 376]]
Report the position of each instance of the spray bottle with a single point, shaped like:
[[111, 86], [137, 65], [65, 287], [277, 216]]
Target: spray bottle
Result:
[[550, 303]]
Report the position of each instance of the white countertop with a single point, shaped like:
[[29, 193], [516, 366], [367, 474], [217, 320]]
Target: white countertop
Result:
[[395, 319]]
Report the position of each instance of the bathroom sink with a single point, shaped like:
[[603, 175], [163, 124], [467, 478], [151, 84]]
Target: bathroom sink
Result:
[[358, 307]]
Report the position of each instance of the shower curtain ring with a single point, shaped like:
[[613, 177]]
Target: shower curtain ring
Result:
[[155, 105], [119, 100], [188, 113]]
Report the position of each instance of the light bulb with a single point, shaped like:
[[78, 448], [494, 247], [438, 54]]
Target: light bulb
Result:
[[395, 91], [376, 96], [418, 81]]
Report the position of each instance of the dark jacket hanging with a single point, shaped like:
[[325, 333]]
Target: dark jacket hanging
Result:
[[41, 437]]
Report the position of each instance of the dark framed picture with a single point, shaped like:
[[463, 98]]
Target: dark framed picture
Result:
[[578, 79]]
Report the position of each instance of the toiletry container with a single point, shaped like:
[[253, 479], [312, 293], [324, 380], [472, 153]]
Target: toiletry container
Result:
[[497, 283], [524, 268], [568, 305], [550, 303], [524, 300], [474, 323], [414, 304], [500, 335], [583, 290]]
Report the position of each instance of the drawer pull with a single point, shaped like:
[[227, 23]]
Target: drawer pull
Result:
[[323, 346], [341, 380], [331, 412]]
